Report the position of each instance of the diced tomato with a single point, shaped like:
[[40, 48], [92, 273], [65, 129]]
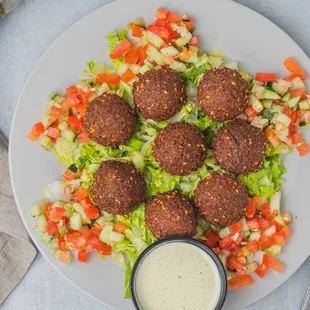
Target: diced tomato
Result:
[[278, 238], [111, 79], [261, 270], [265, 77], [64, 256], [272, 137], [105, 249], [272, 263], [137, 31], [250, 112], [252, 246], [81, 108], [296, 137], [123, 47], [53, 132], [55, 113], [86, 203], [95, 242], [303, 148], [161, 13], [131, 57], [80, 194], [285, 231], [71, 90], [299, 93], [188, 22], [77, 240], [48, 210], [161, 31], [62, 243], [294, 68], [217, 250], [70, 102], [169, 60], [253, 203], [266, 242], [128, 76], [253, 224], [240, 281], [120, 227], [195, 40], [83, 137], [172, 17], [56, 214], [141, 54], [74, 123], [265, 208], [234, 262], [82, 256], [51, 228], [230, 244], [36, 131], [278, 225], [263, 223], [237, 227], [212, 239], [92, 212], [287, 111], [290, 77]]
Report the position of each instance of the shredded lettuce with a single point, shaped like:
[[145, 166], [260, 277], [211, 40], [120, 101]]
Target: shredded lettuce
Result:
[[267, 180]]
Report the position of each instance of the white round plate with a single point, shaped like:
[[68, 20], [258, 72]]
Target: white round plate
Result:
[[243, 35]]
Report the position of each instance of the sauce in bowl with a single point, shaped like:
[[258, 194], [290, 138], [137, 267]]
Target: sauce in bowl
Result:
[[177, 275]]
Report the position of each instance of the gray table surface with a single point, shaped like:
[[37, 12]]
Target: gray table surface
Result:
[[24, 35]]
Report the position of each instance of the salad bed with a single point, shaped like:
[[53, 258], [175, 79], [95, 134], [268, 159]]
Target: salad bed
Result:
[[68, 218]]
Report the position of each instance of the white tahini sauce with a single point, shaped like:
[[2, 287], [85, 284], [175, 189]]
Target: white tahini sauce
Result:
[[178, 276]]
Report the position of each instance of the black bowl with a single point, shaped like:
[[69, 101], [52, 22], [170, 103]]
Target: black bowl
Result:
[[197, 243]]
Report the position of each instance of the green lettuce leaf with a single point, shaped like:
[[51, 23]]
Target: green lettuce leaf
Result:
[[267, 180], [127, 280]]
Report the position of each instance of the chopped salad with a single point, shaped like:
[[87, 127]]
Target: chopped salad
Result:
[[68, 218]]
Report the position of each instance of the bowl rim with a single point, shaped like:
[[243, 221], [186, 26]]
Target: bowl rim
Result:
[[197, 243]]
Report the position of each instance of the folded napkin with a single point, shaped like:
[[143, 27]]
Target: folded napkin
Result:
[[16, 250], [7, 6]]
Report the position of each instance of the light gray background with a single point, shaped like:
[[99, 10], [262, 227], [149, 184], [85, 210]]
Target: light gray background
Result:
[[24, 35]]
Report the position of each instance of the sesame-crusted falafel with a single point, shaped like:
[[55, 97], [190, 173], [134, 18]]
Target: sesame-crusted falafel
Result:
[[109, 120], [180, 148], [170, 214], [221, 199], [118, 187], [223, 94], [159, 94], [239, 147]]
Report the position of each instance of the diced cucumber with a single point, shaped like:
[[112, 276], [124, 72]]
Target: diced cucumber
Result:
[[62, 229], [274, 250], [102, 89], [122, 68], [292, 103], [69, 134], [68, 210], [271, 95], [230, 274], [79, 209], [45, 238], [278, 218], [286, 97], [59, 99], [223, 259], [178, 66], [217, 53], [63, 256], [270, 231], [169, 51], [255, 235], [245, 234], [298, 83], [45, 116], [258, 90], [54, 243], [250, 258], [76, 221], [224, 232], [251, 267], [256, 104], [41, 223], [155, 39], [116, 237], [105, 233], [304, 104], [135, 69], [285, 120], [38, 208], [260, 122], [155, 55], [232, 65], [278, 88], [245, 226], [46, 143], [180, 42], [64, 147], [215, 62], [267, 103], [275, 201], [146, 67]]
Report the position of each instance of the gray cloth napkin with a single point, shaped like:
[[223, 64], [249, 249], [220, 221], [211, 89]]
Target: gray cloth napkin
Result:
[[16, 250], [7, 6]]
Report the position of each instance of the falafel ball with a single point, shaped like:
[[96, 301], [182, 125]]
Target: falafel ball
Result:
[[221, 199], [118, 187], [170, 214], [223, 94], [159, 94], [180, 148], [109, 120], [239, 147]]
